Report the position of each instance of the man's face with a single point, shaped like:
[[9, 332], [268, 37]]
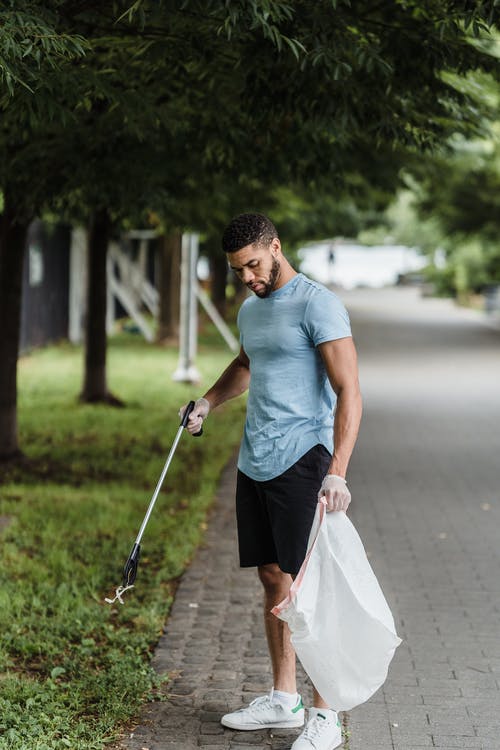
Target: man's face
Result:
[[258, 267]]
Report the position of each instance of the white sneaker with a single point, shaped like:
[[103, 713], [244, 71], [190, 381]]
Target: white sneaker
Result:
[[265, 713], [322, 732]]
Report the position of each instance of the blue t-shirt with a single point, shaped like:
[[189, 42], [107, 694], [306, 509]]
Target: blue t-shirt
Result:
[[291, 402]]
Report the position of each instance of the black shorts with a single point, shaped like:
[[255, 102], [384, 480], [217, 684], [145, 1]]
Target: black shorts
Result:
[[275, 517]]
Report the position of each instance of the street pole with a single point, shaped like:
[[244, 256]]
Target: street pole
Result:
[[186, 371]]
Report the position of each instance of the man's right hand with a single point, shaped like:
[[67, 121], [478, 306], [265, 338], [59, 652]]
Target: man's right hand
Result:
[[199, 413], [336, 493]]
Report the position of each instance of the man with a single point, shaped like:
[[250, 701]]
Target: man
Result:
[[298, 360]]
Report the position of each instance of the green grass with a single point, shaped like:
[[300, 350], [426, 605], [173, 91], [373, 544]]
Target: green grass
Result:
[[73, 670]]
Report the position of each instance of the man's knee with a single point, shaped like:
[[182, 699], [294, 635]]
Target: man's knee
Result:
[[272, 577]]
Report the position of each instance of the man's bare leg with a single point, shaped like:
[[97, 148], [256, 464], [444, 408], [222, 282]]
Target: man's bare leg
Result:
[[318, 701], [276, 586]]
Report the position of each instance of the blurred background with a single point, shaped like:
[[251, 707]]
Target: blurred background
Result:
[[130, 134]]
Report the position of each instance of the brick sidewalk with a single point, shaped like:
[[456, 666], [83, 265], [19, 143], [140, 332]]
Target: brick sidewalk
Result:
[[425, 483]]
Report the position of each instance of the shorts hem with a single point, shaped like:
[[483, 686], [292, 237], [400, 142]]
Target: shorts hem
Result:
[[272, 562], [257, 564]]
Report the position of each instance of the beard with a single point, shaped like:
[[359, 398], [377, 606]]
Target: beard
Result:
[[270, 284]]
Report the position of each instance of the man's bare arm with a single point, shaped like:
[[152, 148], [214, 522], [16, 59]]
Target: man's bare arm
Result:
[[341, 365], [233, 381]]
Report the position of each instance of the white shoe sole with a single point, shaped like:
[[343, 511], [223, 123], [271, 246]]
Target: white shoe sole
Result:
[[252, 727], [336, 743]]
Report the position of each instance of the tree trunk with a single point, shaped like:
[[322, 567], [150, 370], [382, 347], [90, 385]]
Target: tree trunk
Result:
[[12, 248], [95, 388], [218, 268], [170, 285]]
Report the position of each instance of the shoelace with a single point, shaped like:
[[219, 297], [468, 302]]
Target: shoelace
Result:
[[262, 703], [314, 728]]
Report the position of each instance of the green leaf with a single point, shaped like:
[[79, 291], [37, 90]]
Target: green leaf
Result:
[[57, 672]]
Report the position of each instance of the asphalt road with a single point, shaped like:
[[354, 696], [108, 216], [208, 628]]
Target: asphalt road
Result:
[[425, 480]]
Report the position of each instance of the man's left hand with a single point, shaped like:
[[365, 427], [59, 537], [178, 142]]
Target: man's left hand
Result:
[[336, 493]]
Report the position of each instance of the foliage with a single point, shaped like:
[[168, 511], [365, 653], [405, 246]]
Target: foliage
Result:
[[171, 97], [463, 189], [73, 668], [457, 235], [30, 43], [451, 204]]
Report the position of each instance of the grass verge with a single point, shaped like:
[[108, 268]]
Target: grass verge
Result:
[[73, 669]]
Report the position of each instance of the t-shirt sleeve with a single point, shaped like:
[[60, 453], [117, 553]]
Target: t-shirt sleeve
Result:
[[326, 318]]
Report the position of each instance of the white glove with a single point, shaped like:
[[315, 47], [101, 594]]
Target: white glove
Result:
[[336, 493], [200, 411]]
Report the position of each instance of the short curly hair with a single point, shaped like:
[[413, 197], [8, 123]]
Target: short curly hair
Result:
[[248, 229]]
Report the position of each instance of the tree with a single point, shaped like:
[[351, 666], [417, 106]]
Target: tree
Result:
[[334, 104], [306, 94], [77, 119], [169, 285], [32, 53], [452, 202], [461, 194]]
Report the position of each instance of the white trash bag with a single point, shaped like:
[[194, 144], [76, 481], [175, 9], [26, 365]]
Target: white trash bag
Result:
[[342, 628]]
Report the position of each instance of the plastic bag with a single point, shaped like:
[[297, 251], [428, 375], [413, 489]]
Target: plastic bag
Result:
[[342, 628]]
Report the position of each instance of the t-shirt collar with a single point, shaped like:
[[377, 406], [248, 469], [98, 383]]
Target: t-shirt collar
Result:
[[286, 289]]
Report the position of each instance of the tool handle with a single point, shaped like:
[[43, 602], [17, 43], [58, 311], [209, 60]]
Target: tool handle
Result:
[[185, 418]]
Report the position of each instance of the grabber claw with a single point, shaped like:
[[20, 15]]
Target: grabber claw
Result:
[[129, 575]]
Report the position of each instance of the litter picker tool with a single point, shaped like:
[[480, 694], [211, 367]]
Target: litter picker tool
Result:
[[130, 569]]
